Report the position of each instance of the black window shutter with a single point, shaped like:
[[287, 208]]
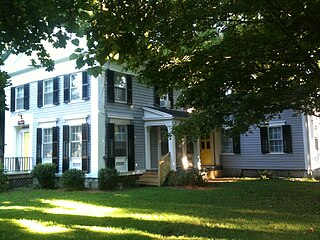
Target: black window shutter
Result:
[[56, 81], [55, 147], [264, 140], [85, 85], [85, 148], [287, 139], [39, 146], [13, 99], [156, 96], [65, 160], [171, 98], [131, 159], [129, 89], [26, 93], [236, 144], [40, 94], [110, 146], [66, 88], [110, 86]]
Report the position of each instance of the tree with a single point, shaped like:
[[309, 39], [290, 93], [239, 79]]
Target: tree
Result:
[[237, 63]]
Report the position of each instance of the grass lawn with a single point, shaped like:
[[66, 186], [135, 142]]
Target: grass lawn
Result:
[[248, 209]]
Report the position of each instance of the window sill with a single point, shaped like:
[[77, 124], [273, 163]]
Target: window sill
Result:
[[227, 154], [19, 111], [76, 101], [48, 106], [277, 153]]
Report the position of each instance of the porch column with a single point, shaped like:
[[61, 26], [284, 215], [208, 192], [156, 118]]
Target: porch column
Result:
[[172, 150], [197, 160], [147, 146]]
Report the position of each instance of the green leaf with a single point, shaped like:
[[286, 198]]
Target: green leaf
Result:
[[95, 71], [80, 63], [84, 16], [75, 42], [74, 56]]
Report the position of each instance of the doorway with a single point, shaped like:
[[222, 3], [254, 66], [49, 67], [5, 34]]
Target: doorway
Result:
[[206, 151]]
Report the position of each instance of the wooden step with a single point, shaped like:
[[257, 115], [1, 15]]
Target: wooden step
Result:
[[148, 178]]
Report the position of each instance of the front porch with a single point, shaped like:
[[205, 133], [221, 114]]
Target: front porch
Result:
[[15, 165]]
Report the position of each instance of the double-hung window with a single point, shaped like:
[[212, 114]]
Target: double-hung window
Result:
[[276, 138], [75, 141], [120, 87], [19, 98], [75, 86], [48, 92], [229, 143], [47, 143], [163, 100], [120, 137]]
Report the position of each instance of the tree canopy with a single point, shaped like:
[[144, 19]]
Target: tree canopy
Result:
[[237, 63]]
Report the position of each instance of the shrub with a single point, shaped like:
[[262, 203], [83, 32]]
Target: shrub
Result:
[[266, 174], [190, 177], [108, 178], [4, 181], [45, 174], [73, 179]]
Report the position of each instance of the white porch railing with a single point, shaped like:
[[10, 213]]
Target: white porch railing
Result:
[[17, 164], [164, 168]]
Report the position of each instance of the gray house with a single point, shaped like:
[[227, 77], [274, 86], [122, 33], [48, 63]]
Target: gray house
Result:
[[287, 146], [78, 121]]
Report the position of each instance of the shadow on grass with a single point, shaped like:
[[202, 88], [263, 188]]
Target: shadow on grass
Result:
[[254, 210]]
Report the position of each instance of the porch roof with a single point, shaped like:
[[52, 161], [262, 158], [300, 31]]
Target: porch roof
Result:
[[156, 113]]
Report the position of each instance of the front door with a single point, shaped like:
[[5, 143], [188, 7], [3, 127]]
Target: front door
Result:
[[206, 152], [22, 163]]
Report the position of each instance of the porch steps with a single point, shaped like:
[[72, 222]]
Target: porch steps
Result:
[[149, 178]]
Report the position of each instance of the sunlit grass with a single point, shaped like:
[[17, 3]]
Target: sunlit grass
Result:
[[41, 227], [272, 209]]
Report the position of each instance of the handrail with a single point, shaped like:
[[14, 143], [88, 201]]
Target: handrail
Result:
[[164, 168], [16, 164]]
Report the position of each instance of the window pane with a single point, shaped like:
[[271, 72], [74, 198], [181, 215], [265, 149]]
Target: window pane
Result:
[[75, 137], [76, 149], [120, 87], [47, 143], [120, 94], [275, 139], [120, 148], [227, 143], [120, 81], [75, 133], [19, 98], [75, 86], [48, 92], [120, 135]]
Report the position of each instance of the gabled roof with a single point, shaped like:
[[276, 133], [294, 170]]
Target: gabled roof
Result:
[[160, 115]]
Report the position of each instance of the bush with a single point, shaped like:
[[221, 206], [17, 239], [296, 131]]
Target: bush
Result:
[[73, 179], [4, 181], [266, 174], [189, 177], [108, 178], [45, 174]]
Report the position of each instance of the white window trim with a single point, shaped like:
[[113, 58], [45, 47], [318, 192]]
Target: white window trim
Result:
[[125, 88], [80, 88], [16, 98], [43, 91]]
